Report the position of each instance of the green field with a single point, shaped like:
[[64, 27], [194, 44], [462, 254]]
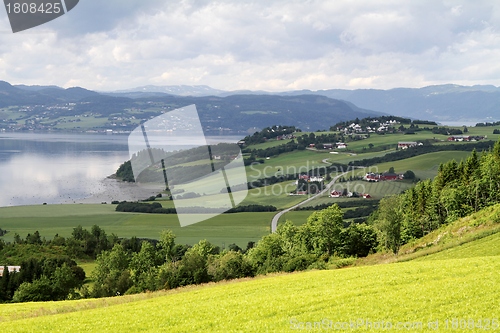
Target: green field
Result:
[[298, 217], [239, 228], [424, 166], [345, 158], [288, 163], [276, 195], [485, 247], [410, 296]]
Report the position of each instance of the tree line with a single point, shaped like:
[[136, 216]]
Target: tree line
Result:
[[269, 133], [156, 208]]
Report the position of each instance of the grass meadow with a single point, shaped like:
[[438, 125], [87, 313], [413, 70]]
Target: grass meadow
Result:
[[485, 247], [433, 295]]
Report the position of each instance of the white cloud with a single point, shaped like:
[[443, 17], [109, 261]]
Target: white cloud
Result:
[[270, 45]]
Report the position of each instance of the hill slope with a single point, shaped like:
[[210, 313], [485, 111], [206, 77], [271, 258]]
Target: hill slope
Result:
[[413, 293]]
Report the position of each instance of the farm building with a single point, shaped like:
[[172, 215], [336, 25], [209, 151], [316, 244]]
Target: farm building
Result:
[[335, 194], [466, 138], [316, 179], [459, 138], [11, 269], [405, 145], [377, 177]]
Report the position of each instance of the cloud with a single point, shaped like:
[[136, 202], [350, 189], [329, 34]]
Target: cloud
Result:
[[270, 45]]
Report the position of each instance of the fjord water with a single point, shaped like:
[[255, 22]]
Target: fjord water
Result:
[[38, 168]]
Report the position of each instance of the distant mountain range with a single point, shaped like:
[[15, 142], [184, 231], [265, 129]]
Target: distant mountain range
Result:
[[443, 103], [32, 95], [305, 108]]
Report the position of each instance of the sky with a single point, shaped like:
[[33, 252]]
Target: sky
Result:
[[270, 45]]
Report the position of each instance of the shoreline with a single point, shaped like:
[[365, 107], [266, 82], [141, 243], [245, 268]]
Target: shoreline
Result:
[[114, 189]]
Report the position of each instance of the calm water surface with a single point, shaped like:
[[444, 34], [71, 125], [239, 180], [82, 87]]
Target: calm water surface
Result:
[[38, 168], [54, 168]]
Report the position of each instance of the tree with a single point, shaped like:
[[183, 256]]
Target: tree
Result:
[[34, 239], [324, 229], [266, 256], [409, 175], [143, 266], [234, 247], [389, 223], [229, 265], [111, 275], [391, 170], [358, 240], [4, 283], [64, 282], [166, 245]]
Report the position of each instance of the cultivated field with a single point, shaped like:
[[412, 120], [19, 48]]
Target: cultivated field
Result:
[[288, 163], [424, 166]]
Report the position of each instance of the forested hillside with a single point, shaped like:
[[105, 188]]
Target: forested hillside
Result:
[[458, 190]]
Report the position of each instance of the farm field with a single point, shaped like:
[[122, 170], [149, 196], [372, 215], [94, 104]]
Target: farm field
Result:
[[425, 296], [345, 158], [238, 228], [424, 166], [298, 217], [293, 162], [392, 139], [276, 195]]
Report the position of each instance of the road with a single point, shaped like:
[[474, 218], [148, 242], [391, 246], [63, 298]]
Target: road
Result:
[[274, 222]]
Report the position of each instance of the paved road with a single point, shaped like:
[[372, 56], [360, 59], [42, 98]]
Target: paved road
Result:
[[274, 222]]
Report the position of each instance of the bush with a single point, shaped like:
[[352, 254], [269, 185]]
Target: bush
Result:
[[336, 262], [230, 265], [300, 263]]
